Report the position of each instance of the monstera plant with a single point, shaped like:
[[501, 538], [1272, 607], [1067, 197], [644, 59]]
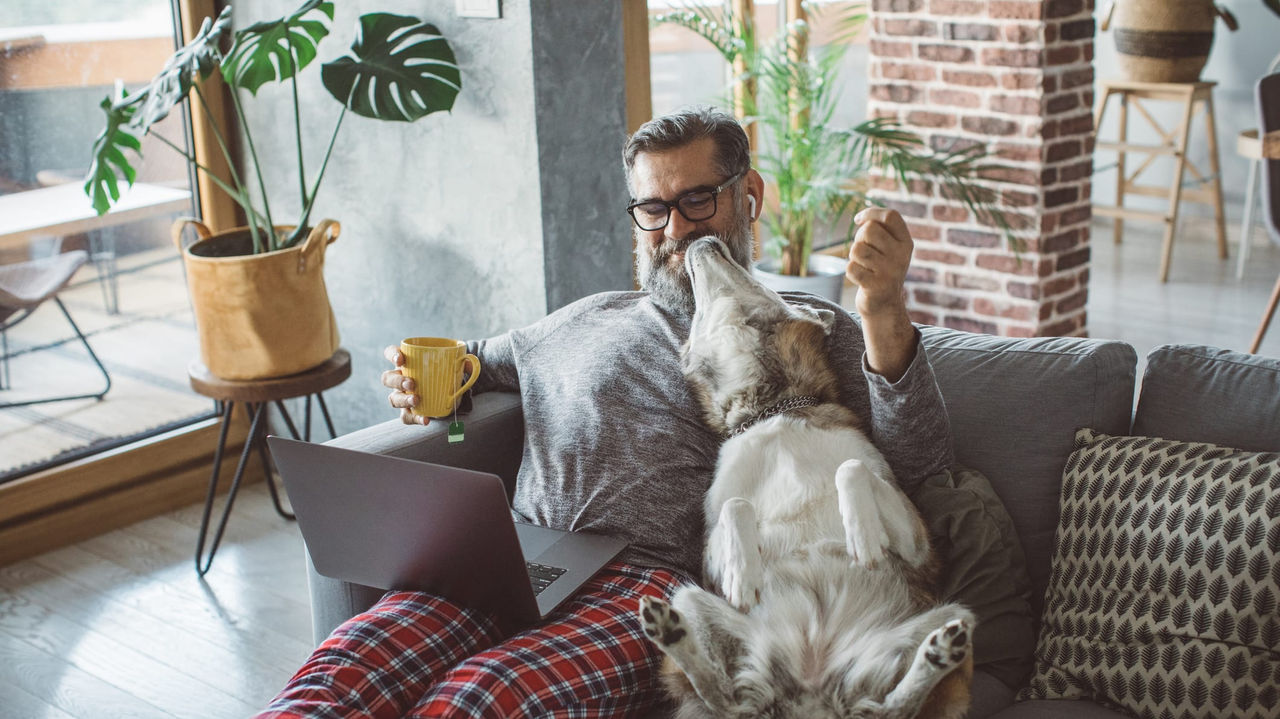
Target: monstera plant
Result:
[[400, 69], [258, 292]]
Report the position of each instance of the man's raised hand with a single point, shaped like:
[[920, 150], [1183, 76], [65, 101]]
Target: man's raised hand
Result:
[[878, 260]]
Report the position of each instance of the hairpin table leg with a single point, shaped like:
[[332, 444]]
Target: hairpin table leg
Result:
[[258, 411]]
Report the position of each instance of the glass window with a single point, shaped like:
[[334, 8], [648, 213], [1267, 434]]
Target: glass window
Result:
[[58, 60]]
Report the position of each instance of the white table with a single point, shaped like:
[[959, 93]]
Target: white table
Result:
[[65, 210]]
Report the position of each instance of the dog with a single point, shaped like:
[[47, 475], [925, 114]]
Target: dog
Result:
[[823, 566]]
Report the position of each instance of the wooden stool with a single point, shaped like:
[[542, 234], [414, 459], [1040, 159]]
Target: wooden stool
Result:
[[256, 395], [1190, 95]]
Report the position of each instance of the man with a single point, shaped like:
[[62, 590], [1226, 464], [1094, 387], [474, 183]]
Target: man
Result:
[[615, 443]]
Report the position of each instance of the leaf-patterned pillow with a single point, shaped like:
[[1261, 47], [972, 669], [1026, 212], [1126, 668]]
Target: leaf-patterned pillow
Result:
[[1164, 597]]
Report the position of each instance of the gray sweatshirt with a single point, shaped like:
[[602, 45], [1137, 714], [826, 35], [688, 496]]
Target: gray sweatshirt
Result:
[[614, 439]]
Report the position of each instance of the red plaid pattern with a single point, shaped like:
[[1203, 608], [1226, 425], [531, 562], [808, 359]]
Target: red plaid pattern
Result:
[[413, 654]]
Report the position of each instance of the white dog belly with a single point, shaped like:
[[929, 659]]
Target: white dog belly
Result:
[[787, 470]]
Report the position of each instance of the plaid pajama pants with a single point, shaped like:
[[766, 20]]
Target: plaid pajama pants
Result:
[[417, 655]]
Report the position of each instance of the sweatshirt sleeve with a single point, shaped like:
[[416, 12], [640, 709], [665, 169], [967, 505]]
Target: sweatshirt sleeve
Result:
[[497, 357], [500, 355], [909, 422]]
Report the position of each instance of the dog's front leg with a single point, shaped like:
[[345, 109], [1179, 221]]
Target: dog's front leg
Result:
[[734, 564], [864, 533], [702, 635], [878, 518]]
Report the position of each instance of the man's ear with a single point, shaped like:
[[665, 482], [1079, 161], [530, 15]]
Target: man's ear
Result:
[[754, 184], [824, 317]]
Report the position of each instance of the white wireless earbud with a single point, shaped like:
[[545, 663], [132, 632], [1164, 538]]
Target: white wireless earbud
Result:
[[751, 207]]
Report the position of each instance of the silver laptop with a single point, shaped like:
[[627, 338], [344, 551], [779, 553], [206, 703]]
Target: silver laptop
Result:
[[393, 523]]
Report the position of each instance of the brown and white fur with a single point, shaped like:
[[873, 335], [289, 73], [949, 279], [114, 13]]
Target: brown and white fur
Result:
[[823, 568]]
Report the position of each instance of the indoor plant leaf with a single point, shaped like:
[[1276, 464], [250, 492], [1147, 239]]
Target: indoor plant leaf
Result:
[[108, 161], [403, 69], [276, 50], [197, 58]]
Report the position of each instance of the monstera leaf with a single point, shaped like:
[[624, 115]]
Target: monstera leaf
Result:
[[130, 117], [194, 60], [403, 70], [108, 161], [278, 49]]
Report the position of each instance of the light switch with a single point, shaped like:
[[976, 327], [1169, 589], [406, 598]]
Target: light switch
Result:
[[480, 8]]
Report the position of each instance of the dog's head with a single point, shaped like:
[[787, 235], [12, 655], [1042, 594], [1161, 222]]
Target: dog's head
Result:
[[748, 347]]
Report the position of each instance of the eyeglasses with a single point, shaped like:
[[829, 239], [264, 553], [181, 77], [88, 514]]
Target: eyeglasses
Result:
[[694, 206]]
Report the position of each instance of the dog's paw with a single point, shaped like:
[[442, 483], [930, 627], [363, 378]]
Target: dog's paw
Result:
[[742, 569], [948, 646], [866, 538], [660, 622], [741, 586], [866, 551]]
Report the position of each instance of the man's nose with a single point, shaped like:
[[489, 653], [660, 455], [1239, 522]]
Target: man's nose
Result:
[[678, 227]]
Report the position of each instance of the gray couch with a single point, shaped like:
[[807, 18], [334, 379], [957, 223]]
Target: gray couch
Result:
[[1014, 404]]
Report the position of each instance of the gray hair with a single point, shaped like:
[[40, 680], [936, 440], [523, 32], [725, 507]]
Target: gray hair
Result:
[[677, 129]]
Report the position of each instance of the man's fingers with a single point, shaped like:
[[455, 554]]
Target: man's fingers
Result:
[[393, 379], [891, 220], [408, 417], [393, 355], [402, 400], [872, 238]]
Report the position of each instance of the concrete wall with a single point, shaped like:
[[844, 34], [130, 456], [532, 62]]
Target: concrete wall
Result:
[[469, 223], [1237, 61]]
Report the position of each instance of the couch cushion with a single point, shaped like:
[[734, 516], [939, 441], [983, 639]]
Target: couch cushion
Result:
[[1058, 709], [983, 568], [1202, 394], [1165, 588], [1015, 405]]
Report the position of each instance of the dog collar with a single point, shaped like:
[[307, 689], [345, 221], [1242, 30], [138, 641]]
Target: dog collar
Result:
[[787, 405]]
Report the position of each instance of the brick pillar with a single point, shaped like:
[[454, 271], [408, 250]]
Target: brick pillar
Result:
[[1016, 75]]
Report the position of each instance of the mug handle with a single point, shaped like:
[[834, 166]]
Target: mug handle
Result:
[[475, 375]]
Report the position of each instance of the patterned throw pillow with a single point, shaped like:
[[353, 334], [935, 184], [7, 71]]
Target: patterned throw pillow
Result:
[[1164, 598]]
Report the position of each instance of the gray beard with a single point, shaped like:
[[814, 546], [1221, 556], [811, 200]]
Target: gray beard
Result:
[[670, 288]]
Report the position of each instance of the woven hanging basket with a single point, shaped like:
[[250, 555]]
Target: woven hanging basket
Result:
[[1162, 40], [259, 315]]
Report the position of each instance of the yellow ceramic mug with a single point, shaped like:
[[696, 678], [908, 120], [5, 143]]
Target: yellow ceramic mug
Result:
[[435, 365]]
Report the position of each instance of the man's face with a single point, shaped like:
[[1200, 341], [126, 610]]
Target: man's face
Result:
[[660, 253]]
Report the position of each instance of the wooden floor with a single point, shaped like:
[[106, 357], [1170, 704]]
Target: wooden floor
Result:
[[120, 626], [1202, 303]]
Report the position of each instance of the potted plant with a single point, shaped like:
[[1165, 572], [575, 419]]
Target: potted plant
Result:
[[818, 168], [258, 291]]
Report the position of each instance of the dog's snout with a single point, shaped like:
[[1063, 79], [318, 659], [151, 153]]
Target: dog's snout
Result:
[[706, 244]]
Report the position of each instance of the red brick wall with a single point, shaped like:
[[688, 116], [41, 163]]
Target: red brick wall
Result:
[[1016, 75]]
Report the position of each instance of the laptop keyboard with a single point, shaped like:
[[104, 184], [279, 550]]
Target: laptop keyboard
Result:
[[541, 575]]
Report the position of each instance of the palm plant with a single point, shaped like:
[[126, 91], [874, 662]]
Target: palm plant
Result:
[[400, 69], [820, 169]]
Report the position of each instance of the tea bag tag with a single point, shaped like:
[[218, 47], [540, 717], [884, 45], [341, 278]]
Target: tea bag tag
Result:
[[455, 428]]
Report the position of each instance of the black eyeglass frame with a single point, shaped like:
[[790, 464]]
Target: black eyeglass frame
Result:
[[675, 205]]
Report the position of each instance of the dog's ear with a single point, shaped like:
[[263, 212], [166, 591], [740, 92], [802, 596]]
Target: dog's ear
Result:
[[823, 316]]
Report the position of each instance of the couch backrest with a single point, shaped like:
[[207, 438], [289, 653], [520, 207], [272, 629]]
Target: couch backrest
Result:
[[1195, 393], [1015, 405]]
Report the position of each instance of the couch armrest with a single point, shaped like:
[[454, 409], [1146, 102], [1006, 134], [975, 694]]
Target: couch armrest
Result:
[[494, 443]]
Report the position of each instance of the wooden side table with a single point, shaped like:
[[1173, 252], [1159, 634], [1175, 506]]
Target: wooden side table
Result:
[[1191, 96], [256, 396]]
